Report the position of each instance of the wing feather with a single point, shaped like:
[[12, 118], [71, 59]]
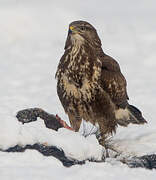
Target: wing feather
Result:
[[113, 82]]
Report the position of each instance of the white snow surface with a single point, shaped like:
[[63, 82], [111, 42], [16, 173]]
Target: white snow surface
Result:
[[32, 37]]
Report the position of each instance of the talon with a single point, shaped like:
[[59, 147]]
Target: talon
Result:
[[63, 123]]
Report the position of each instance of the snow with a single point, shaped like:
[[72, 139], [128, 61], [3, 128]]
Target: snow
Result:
[[32, 37], [73, 144]]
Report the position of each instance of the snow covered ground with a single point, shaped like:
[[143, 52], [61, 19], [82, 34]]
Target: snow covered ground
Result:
[[32, 37]]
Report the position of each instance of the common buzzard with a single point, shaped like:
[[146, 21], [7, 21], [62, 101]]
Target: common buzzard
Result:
[[90, 84]]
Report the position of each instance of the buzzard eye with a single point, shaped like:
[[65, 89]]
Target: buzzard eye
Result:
[[82, 28]]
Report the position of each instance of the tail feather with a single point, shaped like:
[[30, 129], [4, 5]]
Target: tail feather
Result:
[[130, 114], [136, 115]]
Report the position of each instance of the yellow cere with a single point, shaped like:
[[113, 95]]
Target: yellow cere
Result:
[[71, 27]]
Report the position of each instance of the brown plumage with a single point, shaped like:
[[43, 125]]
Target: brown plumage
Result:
[[90, 84]]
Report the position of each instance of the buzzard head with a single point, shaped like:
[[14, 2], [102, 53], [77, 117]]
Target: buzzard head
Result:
[[82, 32]]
